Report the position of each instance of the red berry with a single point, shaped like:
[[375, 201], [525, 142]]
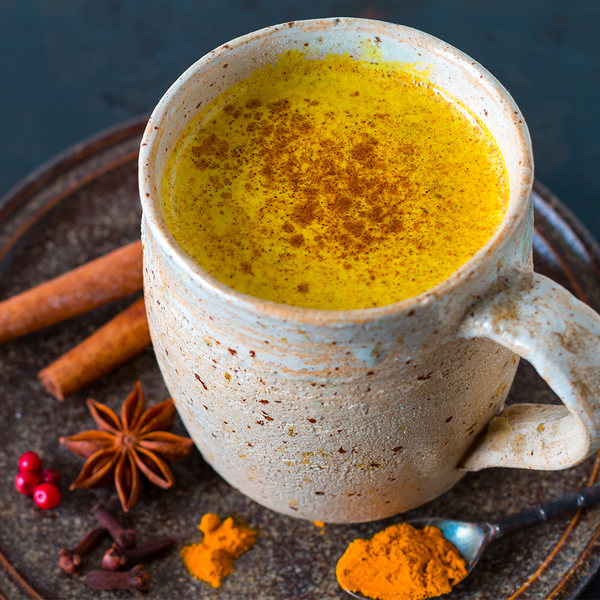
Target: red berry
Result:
[[46, 495], [30, 461], [50, 476], [26, 482]]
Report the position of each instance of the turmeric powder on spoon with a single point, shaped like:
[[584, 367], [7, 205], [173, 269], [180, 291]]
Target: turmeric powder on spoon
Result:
[[401, 563]]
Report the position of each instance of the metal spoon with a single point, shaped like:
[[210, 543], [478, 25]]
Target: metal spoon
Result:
[[471, 539]]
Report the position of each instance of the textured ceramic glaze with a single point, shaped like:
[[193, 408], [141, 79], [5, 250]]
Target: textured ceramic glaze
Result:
[[344, 416]]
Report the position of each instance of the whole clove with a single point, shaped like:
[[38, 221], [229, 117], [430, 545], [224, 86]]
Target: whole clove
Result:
[[137, 580], [71, 559], [124, 538], [116, 558]]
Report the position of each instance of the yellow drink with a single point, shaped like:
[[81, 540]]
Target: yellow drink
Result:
[[334, 184]]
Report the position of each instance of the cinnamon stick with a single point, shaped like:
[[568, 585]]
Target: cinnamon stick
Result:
[[93, 284], [110, 346]]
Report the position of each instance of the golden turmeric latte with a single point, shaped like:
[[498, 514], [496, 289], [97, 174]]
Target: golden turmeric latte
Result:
[[334, 183], [401, 563], [211, 560]]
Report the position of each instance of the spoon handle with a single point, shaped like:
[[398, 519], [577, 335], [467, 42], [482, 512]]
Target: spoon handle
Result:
[[565, 505]]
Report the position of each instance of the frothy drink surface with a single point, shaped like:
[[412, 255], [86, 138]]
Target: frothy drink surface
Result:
[[334, 184]]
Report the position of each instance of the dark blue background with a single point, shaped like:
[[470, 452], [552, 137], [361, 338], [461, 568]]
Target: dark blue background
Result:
[[70, 68]]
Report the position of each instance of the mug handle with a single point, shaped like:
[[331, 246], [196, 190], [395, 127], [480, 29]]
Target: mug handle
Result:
[[560, 336]]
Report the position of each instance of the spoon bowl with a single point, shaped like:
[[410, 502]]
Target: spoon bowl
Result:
[[470, 539]]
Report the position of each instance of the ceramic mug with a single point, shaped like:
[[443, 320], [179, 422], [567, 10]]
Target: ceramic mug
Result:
[[347, 416]]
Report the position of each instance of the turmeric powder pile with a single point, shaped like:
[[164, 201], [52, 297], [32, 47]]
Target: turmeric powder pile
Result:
[[401, 563], [211, 560]]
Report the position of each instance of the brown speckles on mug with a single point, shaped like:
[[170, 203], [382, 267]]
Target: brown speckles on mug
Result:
[[200, 380]]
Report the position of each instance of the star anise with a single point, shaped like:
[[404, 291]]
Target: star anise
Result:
[[121, 449]]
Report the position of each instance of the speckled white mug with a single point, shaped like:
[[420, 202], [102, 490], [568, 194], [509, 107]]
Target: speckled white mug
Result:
[[343, 416]]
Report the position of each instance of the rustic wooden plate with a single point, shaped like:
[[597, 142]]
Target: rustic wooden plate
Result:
[[83, 204]]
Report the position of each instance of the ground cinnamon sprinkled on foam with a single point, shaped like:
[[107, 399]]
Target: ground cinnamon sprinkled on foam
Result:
[[334, 184]]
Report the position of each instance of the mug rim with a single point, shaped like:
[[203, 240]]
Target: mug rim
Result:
[[154, 218]]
